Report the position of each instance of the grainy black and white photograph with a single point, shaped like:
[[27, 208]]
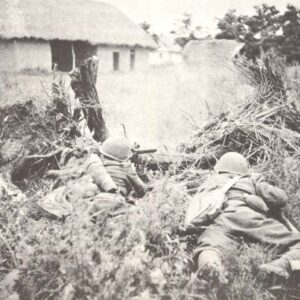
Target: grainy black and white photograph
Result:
[[149, 149]]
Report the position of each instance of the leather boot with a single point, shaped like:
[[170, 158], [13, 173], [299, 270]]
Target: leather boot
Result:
[[281, 266], [211, 268], [210, 272]]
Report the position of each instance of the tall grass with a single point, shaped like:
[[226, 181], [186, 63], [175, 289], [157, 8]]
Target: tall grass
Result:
[[157, 107]]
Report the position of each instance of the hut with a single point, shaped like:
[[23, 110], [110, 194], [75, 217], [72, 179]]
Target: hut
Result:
[[40, 34], [210, 52], [168, 52]]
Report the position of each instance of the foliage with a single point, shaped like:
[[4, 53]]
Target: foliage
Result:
[[231, 26], [262, 129], [186, 30], [135, 255], [291, 34], [264, 30], [114, 258], [145, 26]]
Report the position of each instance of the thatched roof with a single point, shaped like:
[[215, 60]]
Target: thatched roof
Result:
[[81, 20], [210, 51], [168, 43]]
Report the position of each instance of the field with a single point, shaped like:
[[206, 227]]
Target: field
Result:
[[158, 107], [138, 255]]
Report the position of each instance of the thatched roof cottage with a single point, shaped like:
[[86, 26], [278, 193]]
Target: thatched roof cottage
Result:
[[168, 51], [47, 33], [210, 52]]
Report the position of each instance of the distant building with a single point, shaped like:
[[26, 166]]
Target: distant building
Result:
[[168, 52], [211, 52], [39, 34]]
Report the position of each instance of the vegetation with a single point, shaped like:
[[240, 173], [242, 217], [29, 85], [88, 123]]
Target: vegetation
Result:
[[138, 254], [266, 29], [185, 30]]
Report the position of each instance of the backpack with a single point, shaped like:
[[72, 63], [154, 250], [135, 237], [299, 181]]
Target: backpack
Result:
[[207, 205]]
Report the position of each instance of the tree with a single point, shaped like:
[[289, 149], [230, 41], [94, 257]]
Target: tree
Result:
[[231, 27], [258, 32], [266, 21], [146, 26], [266, 29], [291, 34], [262, 30], [185, 30]]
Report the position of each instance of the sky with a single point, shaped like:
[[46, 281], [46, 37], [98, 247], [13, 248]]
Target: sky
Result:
[[162, 14]]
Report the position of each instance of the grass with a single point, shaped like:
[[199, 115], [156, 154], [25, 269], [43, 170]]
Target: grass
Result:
[[158, 107], [131, 256]]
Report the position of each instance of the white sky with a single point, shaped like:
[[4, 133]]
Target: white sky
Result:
[[162, 14]]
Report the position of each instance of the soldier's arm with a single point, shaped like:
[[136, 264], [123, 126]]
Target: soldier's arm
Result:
[[137, 184], [273, 196], [101, 178]]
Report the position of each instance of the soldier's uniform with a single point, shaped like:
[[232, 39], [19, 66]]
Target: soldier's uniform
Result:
[[115, 151], [247, 215], [115, 177], [104, 182], [125, 177]]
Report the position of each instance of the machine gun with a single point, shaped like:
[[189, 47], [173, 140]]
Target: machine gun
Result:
[[139, 162], [135, 157]]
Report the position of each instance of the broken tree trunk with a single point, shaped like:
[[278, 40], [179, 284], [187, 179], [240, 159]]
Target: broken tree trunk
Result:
[[83, 83]]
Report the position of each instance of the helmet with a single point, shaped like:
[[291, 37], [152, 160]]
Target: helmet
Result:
[[117, 148], [232, 162]]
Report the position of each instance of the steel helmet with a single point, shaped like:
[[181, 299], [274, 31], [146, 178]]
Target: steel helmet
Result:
[[232, 162], [117, 148]]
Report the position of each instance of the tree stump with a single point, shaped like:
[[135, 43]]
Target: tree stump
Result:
[[83, 83]]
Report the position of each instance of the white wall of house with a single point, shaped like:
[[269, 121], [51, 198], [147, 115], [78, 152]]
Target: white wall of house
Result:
[[33, 54], [176, 57], [17, 55], [164, 56], [105, 55], [142, 59], [7, 54]]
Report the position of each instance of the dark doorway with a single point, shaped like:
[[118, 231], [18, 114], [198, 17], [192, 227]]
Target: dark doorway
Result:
[[62, 56], [116, 61], [83, 50], [132, 59]]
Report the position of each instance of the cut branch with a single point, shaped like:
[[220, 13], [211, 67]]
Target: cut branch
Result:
[[83, 83]]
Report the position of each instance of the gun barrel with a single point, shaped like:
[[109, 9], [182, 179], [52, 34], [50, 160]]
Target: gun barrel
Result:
[[146, 151]]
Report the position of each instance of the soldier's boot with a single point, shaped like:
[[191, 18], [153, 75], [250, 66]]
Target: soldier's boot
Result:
[[281, 266], [210, 272], [211, 268]]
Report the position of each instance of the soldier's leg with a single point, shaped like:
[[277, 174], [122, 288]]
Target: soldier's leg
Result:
[[210, 267], [282, 265], [270, 231], [212, 245], [256, 227]]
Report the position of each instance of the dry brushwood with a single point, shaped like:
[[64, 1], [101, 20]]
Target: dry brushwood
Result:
[[266, 74], [32, 139], [83, 82], [266, 127], [44, 135]]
